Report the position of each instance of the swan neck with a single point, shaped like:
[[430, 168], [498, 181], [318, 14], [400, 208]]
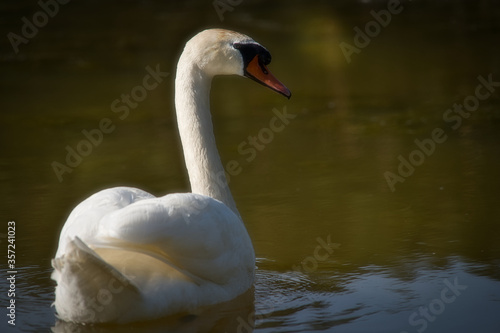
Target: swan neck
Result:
[[203, 163]]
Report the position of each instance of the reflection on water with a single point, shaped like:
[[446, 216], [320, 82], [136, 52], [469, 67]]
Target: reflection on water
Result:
[[321, 177], [232, 316], [368, 299], [374, 300]]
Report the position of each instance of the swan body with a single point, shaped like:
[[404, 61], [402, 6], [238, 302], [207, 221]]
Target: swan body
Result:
[[125, 255]]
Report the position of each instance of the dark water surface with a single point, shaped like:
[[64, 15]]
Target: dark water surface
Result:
[[375, 208]]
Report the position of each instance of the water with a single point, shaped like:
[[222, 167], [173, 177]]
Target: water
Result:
[[338, 250]]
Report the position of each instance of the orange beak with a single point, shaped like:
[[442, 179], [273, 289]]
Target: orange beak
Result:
[[257, 71]]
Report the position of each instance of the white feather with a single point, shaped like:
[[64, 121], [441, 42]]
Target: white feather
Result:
[[125, 255]]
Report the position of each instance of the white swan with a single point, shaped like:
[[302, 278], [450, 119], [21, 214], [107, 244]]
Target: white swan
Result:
[[125, 255]]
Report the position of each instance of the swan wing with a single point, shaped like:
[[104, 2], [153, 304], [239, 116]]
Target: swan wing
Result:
[[86, 283], [171, 254], [86, 217], [196, 234]]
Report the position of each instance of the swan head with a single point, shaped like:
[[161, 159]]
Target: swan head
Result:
[[225, 52]]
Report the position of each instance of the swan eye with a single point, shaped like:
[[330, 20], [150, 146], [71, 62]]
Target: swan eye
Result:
[[255, 59], [250, 50], [262, 65]]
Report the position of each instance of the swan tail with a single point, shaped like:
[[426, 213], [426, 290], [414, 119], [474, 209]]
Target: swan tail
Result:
[[89, 290]]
